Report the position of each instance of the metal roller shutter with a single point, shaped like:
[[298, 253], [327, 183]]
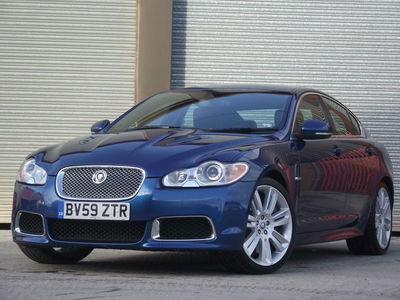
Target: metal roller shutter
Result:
[[348, 48], [63, 66]]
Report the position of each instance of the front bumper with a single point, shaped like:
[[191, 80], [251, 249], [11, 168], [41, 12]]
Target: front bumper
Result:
[[226, 207]]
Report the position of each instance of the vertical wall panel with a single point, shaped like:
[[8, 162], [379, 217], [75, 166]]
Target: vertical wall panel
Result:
[[347, 48], [63, 66]]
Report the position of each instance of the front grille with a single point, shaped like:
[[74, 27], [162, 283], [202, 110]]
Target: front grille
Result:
[[30, 223], [120, 183], [185, 228], [96, 231]]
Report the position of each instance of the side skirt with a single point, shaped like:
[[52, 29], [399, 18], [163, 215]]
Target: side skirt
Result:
[[327, 236]]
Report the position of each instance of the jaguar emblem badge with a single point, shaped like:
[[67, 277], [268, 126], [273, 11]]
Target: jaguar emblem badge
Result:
[[99, 176]]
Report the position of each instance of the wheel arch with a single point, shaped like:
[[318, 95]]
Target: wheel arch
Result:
[[389, 183], [282, 176], [276, 175]]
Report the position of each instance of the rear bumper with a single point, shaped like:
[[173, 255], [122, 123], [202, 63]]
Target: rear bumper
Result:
[[225, 207]]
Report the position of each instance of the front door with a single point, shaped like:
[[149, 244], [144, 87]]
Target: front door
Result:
[[360, 159], [322, 173]]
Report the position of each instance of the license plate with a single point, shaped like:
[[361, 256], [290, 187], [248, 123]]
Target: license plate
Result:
[[95, 210]]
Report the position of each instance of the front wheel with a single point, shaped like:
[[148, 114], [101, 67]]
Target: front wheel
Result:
[[269, 234], [376, 239], [50, 255]]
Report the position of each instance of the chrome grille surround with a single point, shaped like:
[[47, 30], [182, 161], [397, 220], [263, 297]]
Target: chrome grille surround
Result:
[[18, 223], [122, 183]]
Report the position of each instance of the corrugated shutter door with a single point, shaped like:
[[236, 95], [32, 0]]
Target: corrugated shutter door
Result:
[[63, 66], [349, 49]]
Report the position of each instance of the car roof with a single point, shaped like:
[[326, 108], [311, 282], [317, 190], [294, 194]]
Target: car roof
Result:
[[244, 88]]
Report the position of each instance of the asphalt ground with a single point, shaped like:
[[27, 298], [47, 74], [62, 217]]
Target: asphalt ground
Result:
[[323, 271]]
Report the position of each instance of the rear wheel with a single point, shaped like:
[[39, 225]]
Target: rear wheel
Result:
[[269, 232], [50, 255], [376, 239]]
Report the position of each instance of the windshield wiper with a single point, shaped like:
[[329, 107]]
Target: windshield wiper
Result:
[[158, 127], [243, 129]]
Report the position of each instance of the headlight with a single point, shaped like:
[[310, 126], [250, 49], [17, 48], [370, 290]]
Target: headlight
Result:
[[210, 173], [31, 173]]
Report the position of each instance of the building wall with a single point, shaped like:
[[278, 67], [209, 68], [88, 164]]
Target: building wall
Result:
[[63, 66], [347, 48]]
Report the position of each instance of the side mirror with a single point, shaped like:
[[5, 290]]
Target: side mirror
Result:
[[99, 126], [314, 130]]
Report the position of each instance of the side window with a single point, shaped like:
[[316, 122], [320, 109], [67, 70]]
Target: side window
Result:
[[343, 122], [310, 108], [356, 125]]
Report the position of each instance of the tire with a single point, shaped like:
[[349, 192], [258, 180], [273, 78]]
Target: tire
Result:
[[269, 237], [377, 235], [49, 255]]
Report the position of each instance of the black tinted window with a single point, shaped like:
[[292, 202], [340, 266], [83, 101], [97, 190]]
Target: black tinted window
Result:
[[343, 122]]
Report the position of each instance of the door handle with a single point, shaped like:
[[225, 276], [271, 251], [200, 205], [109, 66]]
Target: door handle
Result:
[[337, 151]]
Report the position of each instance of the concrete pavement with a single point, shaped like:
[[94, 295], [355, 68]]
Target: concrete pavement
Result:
[[324, 271]]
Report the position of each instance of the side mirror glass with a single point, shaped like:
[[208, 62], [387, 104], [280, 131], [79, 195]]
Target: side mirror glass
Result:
[[99, 126], [314, 129]]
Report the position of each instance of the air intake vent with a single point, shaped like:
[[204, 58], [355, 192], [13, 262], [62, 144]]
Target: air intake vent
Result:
[[96, 231], [185, 228], [30, 223]]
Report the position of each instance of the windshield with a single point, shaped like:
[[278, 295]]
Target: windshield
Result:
[[208, 110]]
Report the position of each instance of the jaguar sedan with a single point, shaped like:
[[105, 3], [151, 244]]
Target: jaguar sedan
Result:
[[248, 172]]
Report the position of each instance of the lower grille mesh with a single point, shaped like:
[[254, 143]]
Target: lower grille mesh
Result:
[[185, 228], [96, 231], [31, 223]]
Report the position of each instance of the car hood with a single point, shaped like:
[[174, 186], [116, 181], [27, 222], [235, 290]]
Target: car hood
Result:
[[157, 151]]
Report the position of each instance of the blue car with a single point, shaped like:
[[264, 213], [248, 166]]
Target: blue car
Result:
[[248, 172]]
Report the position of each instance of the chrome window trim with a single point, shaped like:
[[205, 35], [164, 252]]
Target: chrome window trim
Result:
[[16, 225], [60, 176], [155, 229], [362, 135]]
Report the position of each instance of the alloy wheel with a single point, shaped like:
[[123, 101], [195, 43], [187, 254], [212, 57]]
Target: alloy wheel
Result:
[[269, 226], [383, 218]]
